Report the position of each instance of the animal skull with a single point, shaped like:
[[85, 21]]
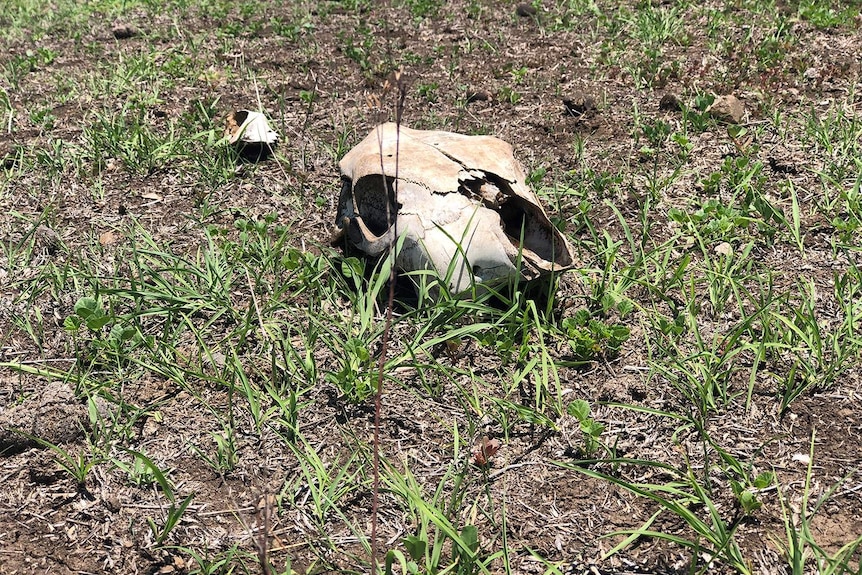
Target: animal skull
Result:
[[463, 207]]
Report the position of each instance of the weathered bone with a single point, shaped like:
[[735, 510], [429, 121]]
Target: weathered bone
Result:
[[463, 206], [251, 134]]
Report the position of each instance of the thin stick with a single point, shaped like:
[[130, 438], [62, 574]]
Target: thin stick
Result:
[[397, 82]]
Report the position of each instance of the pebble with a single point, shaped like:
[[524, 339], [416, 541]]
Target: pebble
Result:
[[727, 109], [8, 155], [478, 96], [670, 103], [579, 105], [525, 10], [123, 31], [724, 249]]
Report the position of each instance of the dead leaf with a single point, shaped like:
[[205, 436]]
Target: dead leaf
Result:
[[152, 196], [107, 238], [485, 450]]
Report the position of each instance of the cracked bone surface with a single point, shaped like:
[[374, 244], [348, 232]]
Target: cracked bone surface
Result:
[[463, 208]]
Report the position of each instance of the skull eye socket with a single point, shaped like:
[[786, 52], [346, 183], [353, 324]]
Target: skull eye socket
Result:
[[520, 221], [240, 116], [377, 210]]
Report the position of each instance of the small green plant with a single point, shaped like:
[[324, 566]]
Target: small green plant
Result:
[[354, 367], [140, 471], [655, 135], [215, 564], [327, 483], [746, 494], [88, 312], [714, 538], [429, 91], [226, 457], [173, 516], [77, 463], [176, 510], [820, 355], [843, 204], [129, 138], [825, 15], [509, 95], [743, 181], [421, 9], [696, 118], [592, 429], [713, 220], [292, 30], [800, 547], [359, 47], [518, 74], [355, 378], [746, 486], [435, 531], [463, 554], [591, 339]]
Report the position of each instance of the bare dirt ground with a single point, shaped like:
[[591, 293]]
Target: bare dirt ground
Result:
[[564, 92]]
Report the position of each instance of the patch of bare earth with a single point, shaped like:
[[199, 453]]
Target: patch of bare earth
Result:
[[571, 92]]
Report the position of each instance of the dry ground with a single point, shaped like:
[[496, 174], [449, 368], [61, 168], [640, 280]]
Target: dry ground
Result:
[[571, 87]]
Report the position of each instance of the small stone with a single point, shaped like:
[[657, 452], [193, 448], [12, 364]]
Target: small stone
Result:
[[782, 163], [670, 103], [478, 96], [111, 502], [123, 31], [802, 458], [151, 427], [53, 414], [724, 249], [8, 155], [107, 238], [579, 105], [525, 10], [727, 109], [47, 239]]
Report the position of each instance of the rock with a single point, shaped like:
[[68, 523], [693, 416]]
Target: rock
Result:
[[124, 31], [782, 163], [525, 10], [8, 154], [46, 239], [478, 96], [579, 105], [53, 415], [727, 109], [43, 239], [724, 249], [670, 103]]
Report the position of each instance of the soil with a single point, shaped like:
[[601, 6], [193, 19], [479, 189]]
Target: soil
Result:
[[466, 61]]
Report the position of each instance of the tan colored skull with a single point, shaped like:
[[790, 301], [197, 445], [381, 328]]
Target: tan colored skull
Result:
[[463, 207]]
